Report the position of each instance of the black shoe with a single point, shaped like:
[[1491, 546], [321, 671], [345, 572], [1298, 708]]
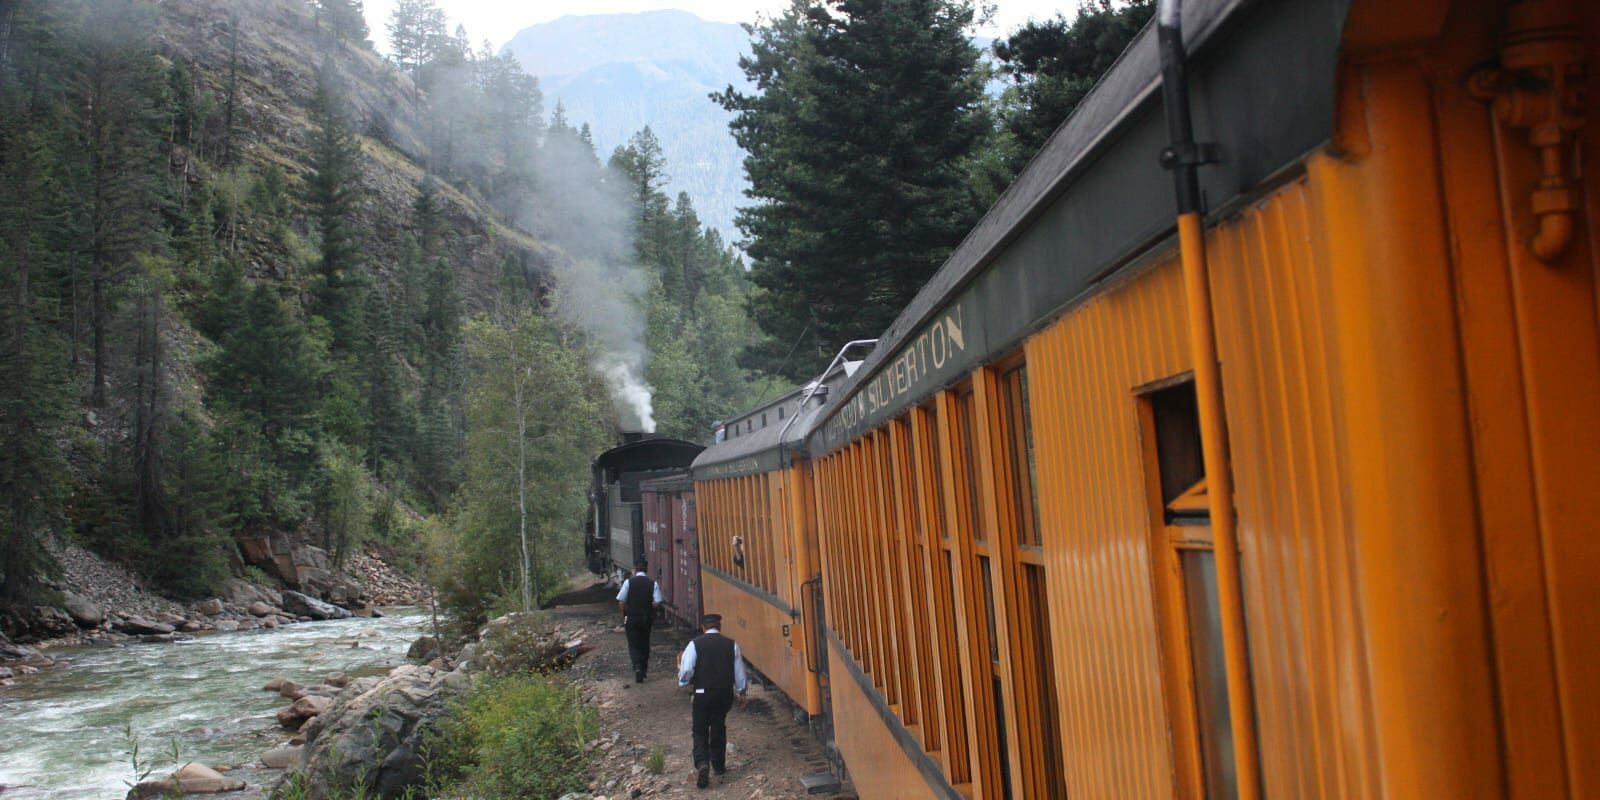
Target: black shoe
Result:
[[638, 677], [702, 777], [720, 770]]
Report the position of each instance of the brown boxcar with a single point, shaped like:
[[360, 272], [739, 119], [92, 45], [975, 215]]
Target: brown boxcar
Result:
[[671, 544]]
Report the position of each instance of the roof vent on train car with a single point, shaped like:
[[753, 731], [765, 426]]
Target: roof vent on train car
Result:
[[629, 437]]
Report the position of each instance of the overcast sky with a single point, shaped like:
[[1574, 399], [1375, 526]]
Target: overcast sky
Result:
[[499, 20]]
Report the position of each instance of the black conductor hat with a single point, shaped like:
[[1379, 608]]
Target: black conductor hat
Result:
[[710, 620]]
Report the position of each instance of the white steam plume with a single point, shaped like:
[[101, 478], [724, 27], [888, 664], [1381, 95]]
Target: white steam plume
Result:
[[600, 287]]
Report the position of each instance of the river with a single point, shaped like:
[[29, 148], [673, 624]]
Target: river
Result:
[[63, 733]]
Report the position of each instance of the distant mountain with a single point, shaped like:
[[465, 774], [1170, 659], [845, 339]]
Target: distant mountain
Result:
[[621, 72]]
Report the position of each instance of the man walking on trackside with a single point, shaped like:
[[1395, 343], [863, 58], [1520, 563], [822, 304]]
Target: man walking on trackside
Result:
[[713, 665], [638, 599]]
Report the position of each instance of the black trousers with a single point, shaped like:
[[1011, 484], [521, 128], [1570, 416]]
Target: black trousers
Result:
[[638, 645], [710, 726]]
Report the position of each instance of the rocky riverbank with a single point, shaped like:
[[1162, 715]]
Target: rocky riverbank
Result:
[[102, 603]]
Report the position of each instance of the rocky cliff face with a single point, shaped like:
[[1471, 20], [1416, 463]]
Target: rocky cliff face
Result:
[[275, 59]]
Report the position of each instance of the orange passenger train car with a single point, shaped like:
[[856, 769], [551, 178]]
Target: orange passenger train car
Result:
[[1283, 488]]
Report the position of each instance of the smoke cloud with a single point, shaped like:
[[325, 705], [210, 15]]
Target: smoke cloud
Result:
[[600, 287]]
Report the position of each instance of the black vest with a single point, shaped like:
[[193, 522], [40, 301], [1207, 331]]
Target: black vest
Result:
[[713, 662], [641, 597]]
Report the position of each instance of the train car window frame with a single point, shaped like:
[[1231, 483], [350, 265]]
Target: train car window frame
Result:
[[1188, 606], [961, 465], [1020, 560], [953, 711]]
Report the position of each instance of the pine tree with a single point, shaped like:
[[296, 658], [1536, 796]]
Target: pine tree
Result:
[[121, 115], [1053, 64], [35, 392], [268, 370], [861, 143], [416, 28], [391, 427], [334, 194], [346, 20]]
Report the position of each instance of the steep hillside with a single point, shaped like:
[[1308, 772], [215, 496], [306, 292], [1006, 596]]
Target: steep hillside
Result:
[[621, 72], [279, 51]]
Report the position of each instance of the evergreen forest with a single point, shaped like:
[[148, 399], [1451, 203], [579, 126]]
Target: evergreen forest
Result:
[[256, 280]]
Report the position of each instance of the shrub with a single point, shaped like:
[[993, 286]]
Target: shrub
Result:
[[519, 737]]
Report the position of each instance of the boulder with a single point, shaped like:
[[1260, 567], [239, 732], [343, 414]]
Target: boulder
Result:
[[337, 680], [259, 609], [209, 608], [190, 778], [140, 626], [303, 709], [377, 729], [281, 757], [425, 648], [306, 605], [83, 612], [274, 685], [227, 625], [290, 689]]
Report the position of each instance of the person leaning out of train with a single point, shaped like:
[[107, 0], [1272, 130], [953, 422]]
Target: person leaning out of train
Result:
[[713, 665], [639, 598]]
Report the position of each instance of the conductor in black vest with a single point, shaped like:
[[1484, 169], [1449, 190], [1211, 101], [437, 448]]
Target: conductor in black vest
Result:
[[713, 665], [638, 599]]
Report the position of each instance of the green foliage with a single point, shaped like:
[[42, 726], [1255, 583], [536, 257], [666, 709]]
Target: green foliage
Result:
[[254, 574], [513, 644], [862, 143], [534, 419], [656, 762], [519, 736], [345, 505], [1054, 63]]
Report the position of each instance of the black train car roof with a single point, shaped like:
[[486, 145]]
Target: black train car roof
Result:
[[1095, 198], [645, 455]]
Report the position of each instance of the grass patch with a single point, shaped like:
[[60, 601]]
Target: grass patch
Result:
[[656, 762], [519, 736]]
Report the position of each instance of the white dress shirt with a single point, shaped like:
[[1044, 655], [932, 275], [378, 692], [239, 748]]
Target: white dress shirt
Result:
[[622, 596], [741, 681]]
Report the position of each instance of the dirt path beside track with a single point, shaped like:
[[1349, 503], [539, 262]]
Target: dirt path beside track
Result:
[[768, 751]]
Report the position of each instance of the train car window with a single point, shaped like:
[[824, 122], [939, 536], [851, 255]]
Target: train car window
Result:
[[955, 701], [1186, 575], [1018, 426], [968, 440], [1042, 673], [996, 673], [938, 529], [1203, 610]]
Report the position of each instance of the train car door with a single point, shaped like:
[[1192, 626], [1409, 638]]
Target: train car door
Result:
[[686, 584]]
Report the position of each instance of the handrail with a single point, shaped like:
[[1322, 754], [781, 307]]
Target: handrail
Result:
[[818, 382]]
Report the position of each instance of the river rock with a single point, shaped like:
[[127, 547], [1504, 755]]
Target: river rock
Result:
[[377, 730], [227, 625], [337, 679], [303, 709], [259, 609], [83, 612], [306, 605], [423, 649], [191, 778], [274, 685], [142, 626], [209, 608], [281, 757], [289, 689]]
